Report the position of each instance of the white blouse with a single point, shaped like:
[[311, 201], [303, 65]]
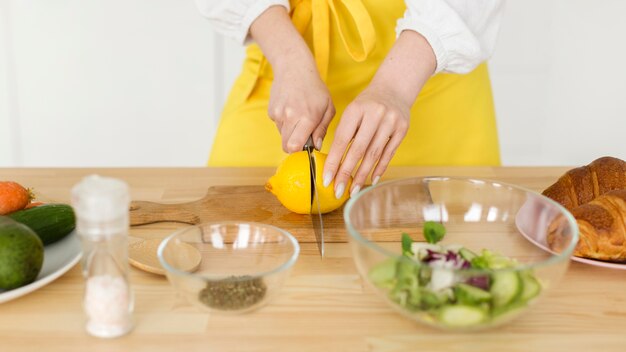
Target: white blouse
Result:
[[462, 33]]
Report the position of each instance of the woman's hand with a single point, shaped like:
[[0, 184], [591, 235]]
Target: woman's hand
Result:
[[375, 123], [300, 103]]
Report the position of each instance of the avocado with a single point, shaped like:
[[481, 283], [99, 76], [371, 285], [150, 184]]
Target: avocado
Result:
[[21, 254]]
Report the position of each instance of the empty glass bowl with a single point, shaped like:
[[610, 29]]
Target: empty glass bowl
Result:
[[228, 266], [504, 248]]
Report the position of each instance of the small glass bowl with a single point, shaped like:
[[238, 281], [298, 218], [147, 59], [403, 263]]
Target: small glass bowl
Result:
[[230, 267], [477, 214]]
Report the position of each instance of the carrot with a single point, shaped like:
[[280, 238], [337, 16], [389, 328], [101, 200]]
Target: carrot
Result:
[[13, 197]]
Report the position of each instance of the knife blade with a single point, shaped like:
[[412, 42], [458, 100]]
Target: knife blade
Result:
[[316, 214]]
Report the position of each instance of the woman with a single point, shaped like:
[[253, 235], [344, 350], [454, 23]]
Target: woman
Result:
[[380, 65]]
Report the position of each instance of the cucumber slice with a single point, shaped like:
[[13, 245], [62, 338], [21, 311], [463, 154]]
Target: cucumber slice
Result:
[[468, 294], [432, 300], [461, 315], [383, 274], [505, 288], [509, 312], [531, 286], [467, 254]]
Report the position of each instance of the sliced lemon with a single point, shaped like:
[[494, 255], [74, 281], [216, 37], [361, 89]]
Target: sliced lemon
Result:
[[291, 184]]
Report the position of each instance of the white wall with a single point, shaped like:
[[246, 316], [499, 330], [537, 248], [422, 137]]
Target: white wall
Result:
[[141, 83], [104, 82], [7, 154], [558, 75]]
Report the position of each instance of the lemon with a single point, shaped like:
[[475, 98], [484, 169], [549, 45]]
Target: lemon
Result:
[[292, 184]]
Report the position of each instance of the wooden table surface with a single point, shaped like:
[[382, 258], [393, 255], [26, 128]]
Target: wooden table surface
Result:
[[324, 305]]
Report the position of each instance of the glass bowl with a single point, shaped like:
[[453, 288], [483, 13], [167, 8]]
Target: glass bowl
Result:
[[230, 267], [484, 272]]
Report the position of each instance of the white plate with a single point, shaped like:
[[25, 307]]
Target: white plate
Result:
[[58, 258], [527, 218]]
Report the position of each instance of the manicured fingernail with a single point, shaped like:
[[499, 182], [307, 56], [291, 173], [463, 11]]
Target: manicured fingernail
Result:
[[375, 181], [339, 190], [355, 190], [318, 144], [328, 177]]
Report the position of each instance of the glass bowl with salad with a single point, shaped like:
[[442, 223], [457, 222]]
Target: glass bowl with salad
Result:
[[447, 251]]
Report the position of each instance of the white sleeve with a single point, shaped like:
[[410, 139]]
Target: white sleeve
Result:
[[462, 33], [232, 18]]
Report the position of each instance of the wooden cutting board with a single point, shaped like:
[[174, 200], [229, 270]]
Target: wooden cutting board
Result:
[[239, 203]]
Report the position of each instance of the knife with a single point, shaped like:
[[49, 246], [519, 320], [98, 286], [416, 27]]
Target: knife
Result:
[[316, 214]]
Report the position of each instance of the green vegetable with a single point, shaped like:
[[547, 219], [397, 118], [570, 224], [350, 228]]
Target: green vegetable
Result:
[[434, 231], [453, 299], [384, 274], [21, 254], [462, 315], [531, 286], [432, 300], [506, 287], [407, 275], [51, 222], [406, 290], [467, 254], [407, 241], [490, 260], [468, 294]]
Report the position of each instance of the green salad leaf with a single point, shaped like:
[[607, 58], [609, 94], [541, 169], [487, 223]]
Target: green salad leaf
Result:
[[423, 284], [407, 241], [434, 231]]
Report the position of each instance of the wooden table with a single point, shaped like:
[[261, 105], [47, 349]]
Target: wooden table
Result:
[[324, 306]]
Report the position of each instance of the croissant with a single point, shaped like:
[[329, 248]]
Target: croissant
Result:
[[602, 225], [583, 184]]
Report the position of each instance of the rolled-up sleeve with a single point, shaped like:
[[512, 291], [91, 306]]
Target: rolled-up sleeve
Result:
[[232, 18], [462, 33]]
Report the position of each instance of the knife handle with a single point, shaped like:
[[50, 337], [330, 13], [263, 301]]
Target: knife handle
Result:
[[309, 145]]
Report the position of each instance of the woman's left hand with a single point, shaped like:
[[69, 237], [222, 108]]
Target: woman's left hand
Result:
[[375, 123], [371, 130]]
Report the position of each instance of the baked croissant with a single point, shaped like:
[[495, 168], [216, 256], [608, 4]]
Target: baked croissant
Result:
[[583, 184], [602, 225]]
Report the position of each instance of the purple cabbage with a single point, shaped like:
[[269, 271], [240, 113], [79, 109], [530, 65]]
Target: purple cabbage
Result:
[[448, 256], [481, 282]]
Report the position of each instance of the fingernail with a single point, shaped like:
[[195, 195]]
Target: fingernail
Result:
[[355, 190], [339, 190], [318, 144], [375, 181], [328, 177]]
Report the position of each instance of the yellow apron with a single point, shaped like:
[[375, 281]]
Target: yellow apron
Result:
[[452, 122]]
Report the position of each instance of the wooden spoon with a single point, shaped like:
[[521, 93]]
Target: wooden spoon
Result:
[[142, 254]]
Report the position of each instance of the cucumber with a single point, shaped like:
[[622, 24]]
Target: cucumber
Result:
[[462, 315], [531, 286], [506, 287], [51, 222], [432, 300], [471, 295], [467, 254], [508, 312], [383, 274]]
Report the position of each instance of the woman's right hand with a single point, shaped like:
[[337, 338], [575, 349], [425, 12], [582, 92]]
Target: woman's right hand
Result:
[[300, 103]]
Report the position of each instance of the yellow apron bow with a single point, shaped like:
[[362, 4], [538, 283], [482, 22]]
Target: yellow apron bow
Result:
[[354, 24]]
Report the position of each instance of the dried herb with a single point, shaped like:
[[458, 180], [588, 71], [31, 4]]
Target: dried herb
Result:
[[233, 293]]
